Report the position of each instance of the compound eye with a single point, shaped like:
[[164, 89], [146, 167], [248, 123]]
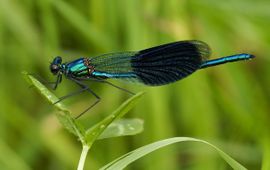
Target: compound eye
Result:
[[54, 68], [57, 60]]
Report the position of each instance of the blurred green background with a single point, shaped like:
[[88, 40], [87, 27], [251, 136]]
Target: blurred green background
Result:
[[226, 105]]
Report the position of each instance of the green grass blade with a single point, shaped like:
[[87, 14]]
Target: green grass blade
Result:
[[132, 156], [85, 27], [123, 127], [11, 159], [64, 116], [19, 23], [93, 133], [266, 153]]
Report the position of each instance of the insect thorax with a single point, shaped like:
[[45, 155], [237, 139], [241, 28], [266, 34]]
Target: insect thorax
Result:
[[79, 68]]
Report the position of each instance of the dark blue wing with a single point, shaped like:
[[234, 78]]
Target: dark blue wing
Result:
[[169, 62], [154, 66]]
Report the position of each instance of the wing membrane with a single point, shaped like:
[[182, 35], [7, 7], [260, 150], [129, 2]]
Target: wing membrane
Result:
[[154, 66]]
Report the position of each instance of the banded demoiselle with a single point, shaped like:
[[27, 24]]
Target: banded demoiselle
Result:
[[154, 66]]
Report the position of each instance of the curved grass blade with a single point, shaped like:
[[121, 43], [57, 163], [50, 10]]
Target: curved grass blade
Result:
[[122, 127], [93, 133], [125, 160], [64, 116]]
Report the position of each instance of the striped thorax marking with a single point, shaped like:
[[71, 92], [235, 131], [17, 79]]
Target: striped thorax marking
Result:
[[87, 62]]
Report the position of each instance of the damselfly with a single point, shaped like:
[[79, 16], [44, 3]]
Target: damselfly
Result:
[[154, 66]]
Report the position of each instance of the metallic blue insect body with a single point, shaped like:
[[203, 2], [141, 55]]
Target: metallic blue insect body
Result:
[[155, 66]]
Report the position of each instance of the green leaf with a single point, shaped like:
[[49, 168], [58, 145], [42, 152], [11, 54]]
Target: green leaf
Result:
[[64, 116], [132, 156], [87, 137], [123, 127], [119, 128], [93, 133]]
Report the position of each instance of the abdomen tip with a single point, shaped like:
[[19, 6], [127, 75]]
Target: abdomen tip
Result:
[[251, 56]]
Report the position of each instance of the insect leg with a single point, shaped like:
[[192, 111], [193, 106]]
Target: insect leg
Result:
[[83, 88], [109, 83], [43, 81], [71, 94], [58, 80], [90, 91], [120, 88]]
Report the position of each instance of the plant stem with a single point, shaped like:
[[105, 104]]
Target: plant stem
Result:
[[83, 157]]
